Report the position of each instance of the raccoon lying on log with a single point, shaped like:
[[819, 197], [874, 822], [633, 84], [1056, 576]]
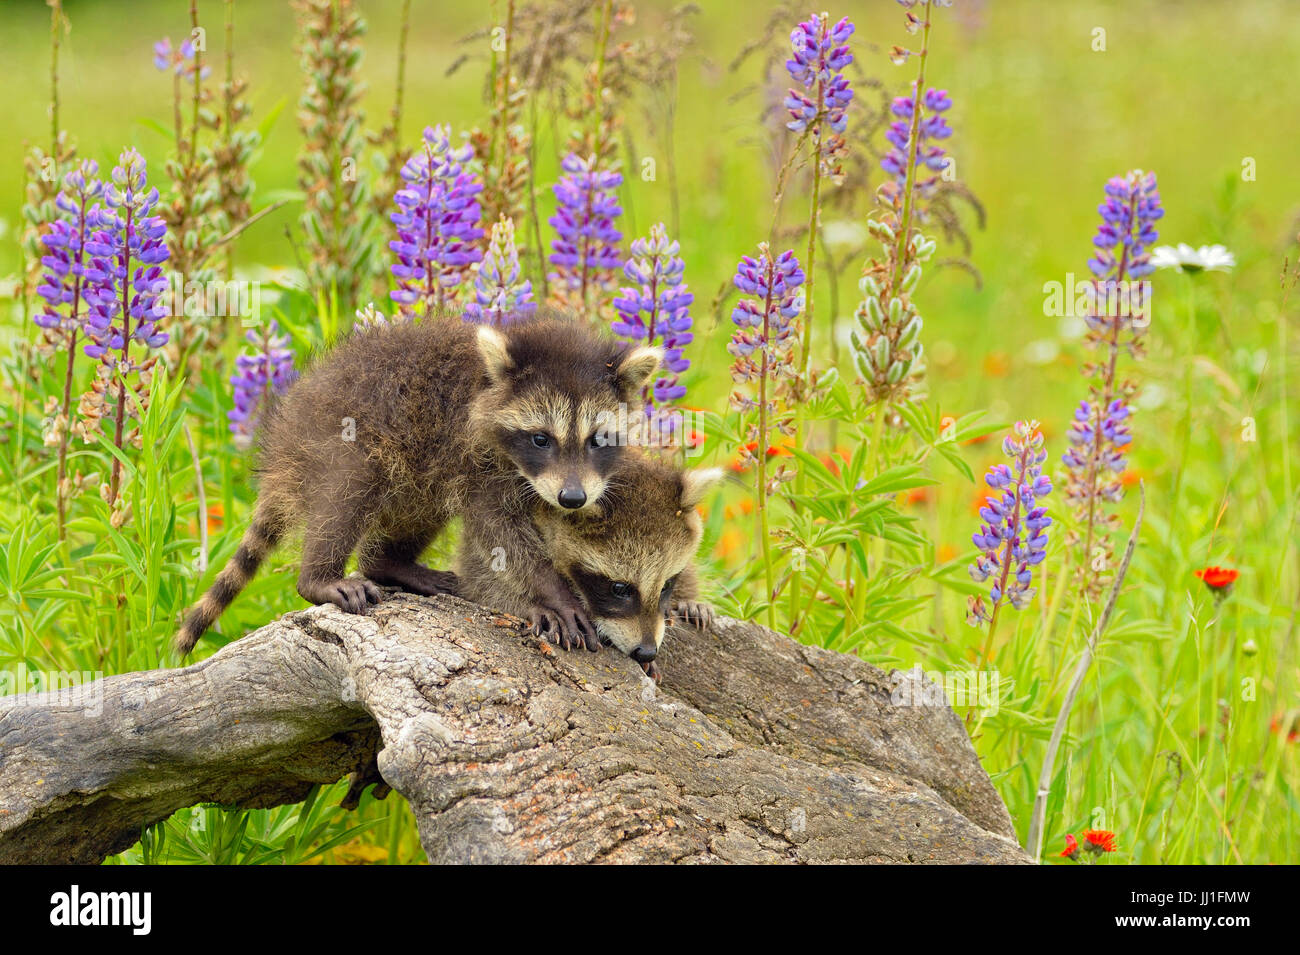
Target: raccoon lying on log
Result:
[[402, 427], [628, 558]]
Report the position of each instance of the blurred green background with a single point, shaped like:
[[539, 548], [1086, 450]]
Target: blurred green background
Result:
[[1190, 89]]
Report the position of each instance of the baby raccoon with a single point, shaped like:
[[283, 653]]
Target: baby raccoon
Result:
[[628, 558], [402, 427]]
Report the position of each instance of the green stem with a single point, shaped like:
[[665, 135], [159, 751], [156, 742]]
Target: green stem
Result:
[[56, 15], [115, 480], [913, 144], [761, 450]]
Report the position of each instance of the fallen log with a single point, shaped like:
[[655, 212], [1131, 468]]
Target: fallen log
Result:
[[753, 749]]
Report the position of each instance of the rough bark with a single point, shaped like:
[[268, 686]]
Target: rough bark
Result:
[[754, 748]]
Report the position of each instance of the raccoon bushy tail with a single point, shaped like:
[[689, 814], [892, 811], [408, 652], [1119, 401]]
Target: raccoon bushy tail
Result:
[[258, 542]]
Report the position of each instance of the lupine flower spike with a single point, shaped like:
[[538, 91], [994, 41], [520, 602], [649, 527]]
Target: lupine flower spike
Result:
[[819, 55], [927, 155], [437, 221], [765, 327], [63, 287], [128, 248], [193, 221], [886, 345], [265, 371], [500, 294], [331, 121], [1118, 305], [656, 311], [761, 345], [1013, 538], [179, 60], [585, 251]]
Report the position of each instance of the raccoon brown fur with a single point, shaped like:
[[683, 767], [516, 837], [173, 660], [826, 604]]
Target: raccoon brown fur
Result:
[[628, 559], [402, 427]]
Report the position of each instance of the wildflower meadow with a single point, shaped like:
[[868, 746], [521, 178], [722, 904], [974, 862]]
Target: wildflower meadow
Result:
[[988, 310]]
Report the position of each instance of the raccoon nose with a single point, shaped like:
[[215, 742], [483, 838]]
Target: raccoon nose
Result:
[[572, 497], [644, 654]]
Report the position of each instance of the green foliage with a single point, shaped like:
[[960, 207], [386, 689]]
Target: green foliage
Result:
[[1179, 740]]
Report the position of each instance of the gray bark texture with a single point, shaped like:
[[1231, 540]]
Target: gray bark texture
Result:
[[754, 748]]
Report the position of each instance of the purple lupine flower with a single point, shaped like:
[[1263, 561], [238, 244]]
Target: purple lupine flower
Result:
[[179, 60], [931, 128], [657, 312], [1104, 444], [1013, 538], [437, 223], [127, 247], [585, 250], [1127, 231], [820, 55], [66, 269], [264, 371], [1117, 297], [764, 324], [500, 295]]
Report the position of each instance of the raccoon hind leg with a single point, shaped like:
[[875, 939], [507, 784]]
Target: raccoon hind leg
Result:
[[331, 538], [391, 561]]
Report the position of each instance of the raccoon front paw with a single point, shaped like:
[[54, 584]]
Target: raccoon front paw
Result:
[[566, 626], [652, 671], [694, 613], [351, 594]]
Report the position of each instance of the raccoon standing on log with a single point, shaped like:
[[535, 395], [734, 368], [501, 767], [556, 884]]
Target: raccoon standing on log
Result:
[[404, 426], [629, 558]]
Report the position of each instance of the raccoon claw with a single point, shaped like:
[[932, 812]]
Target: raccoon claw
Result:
[[652, 671], [581, 625], [569, 628], [546, 625], [694, 613], [352, 594]]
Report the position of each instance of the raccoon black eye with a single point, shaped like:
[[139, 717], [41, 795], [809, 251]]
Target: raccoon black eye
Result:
[[542, 440], [668, 587], [620, 589]]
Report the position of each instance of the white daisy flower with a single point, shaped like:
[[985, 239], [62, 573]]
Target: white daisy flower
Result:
[[1208, 258]]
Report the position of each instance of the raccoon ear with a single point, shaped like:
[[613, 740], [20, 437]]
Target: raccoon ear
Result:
[[637, 366], [495, 351], [697, 483]]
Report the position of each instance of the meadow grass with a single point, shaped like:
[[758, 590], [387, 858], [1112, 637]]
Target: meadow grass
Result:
[[1178, 742]]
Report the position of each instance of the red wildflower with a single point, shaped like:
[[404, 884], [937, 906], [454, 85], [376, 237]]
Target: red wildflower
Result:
[[1288, 723], [1099, 840], [1218, 579], [1071, 846], [746, 455]]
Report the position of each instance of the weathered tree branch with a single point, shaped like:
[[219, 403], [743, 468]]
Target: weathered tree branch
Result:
[[754, 749]]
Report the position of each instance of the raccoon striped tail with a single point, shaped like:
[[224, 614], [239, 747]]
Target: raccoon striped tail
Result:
[[259, 540]]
